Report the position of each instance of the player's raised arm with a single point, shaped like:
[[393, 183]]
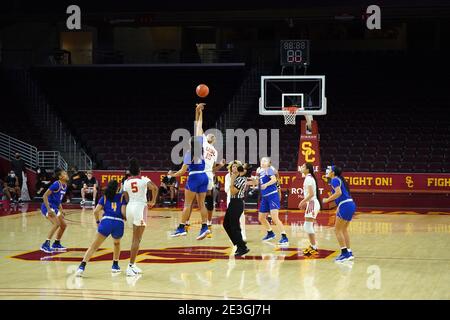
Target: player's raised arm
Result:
[[199, 119]]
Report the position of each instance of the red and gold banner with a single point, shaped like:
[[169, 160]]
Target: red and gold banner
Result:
[[358, 181]]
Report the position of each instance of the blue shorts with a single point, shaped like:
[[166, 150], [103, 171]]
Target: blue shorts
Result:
[[52, 206], [197, 183], [346, 211], [111, 227], [270, 202]]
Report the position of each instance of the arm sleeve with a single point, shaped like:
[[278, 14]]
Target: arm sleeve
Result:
[[270, 172], [146, 180], [335, 182], [54, 187]]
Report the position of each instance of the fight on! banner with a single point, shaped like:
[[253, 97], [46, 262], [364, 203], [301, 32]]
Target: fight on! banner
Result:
[[373, 182], [358, 181]]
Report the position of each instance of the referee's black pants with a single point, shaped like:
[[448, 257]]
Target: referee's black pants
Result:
[[231, 222]]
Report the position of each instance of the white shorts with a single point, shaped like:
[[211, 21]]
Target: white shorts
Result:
[[312, 209], [210, 180], [137, 213]]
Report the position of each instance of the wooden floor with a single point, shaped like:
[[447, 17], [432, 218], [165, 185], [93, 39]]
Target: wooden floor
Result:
[[398, 256]]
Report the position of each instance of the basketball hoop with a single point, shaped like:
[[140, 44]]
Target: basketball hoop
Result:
[[289, 114]]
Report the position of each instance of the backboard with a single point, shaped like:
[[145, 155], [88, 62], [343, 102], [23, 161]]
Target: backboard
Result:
[[305, 92]]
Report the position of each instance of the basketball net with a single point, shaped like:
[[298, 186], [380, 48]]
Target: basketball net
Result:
[[289, 114]]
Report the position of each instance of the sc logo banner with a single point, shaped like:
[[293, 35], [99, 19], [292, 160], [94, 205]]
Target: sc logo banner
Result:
[[308, 152]]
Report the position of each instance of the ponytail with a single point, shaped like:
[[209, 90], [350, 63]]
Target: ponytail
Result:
[[338, 173], [111, 190]]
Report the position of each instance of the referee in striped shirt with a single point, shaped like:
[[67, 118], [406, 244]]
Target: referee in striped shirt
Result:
[[235, 209]]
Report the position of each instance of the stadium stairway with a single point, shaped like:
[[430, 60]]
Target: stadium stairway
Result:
[[49, 126]]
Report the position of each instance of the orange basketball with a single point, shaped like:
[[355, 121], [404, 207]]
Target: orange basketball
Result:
[[202, 90]]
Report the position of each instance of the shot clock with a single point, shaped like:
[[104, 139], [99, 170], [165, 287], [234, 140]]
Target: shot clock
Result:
[[294, 52]]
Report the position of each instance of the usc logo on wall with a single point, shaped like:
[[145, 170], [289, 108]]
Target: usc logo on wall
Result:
[[409, 181], [308, 152]]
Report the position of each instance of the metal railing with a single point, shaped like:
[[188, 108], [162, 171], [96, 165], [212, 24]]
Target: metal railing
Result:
[[51, 159], [32, 157], [56, 132], [9, 146]]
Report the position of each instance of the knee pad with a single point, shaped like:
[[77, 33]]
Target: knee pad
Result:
[[209, 203], [309, 227]]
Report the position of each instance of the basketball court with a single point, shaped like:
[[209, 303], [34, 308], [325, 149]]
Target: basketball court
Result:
[[399, 255], [293, 108]]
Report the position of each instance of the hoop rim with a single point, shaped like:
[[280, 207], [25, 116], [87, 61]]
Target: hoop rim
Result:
[[290, 109]]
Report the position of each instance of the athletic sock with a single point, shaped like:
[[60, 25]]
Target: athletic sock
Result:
[[182, 225], [47, 241], [204, 225], [314, 247], [209, 223], [344, 250], [115, 262], [83, 264], [56, 242]]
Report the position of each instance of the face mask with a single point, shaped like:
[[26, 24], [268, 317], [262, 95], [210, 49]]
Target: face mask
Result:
[[328, 171]]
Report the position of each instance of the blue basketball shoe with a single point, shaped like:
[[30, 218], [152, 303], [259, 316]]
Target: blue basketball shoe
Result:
[[80, 271], [343, 257], [56, 246], [204, 231], [284, 241], [180, 231], [115, 268], [269, 236], [46, 247]]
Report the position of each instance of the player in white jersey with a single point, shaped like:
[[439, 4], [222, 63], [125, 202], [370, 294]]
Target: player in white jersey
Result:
[[211, 166], [135, 192], [311, 200]]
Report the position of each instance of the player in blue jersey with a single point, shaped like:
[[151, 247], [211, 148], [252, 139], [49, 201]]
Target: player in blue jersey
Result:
[[270, 201], [52, 210], [111, 223], [197, 182], [345, 210]]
